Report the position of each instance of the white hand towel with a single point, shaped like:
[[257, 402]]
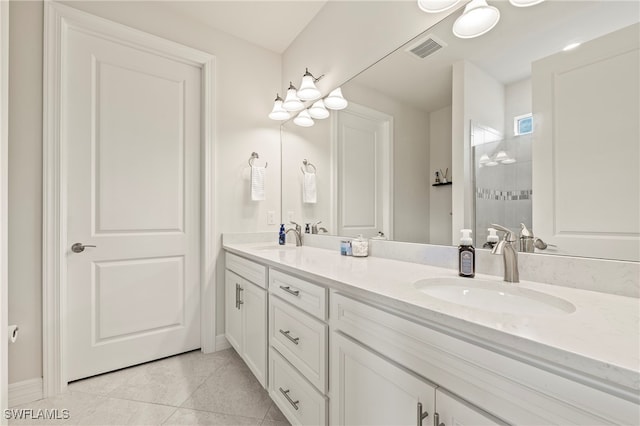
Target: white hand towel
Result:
[[257, 183], [309, 188]]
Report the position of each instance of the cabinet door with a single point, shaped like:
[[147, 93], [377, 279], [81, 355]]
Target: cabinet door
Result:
[[370, 390], [232, 312], [456, 412], [254, 329]]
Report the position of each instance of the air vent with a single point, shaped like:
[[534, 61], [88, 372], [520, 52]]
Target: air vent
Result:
[[426, 47]]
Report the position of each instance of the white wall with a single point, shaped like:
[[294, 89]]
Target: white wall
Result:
[[25, 188], [440, 159], [313, 144], [478, 97], [4, 187], [411, 179], [517, 101], [243, 98]]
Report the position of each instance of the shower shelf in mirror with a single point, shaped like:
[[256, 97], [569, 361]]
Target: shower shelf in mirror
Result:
[[442, 183]]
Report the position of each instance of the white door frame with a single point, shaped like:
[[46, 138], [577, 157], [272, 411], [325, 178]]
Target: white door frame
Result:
[[387, 179], [58, 19], [4, 206]]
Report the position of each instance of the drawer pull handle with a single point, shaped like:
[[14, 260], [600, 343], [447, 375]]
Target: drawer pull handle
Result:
[[288, 336], [421, 416], [291, 401], [288, 290], [237, 295], [240, 302]]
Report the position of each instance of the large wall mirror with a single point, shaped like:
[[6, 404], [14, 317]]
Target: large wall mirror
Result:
[[518, 129]]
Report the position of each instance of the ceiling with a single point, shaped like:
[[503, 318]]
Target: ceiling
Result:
[[506, 52], [269, 24]]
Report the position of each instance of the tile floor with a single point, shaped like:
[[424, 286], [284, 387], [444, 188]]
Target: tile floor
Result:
[[188, 389]]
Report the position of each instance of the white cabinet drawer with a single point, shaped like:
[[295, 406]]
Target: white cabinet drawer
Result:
[[252, 271], [301, 339], [309, 297], [300, 402]]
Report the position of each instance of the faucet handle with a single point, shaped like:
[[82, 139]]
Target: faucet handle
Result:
[[508, 234]]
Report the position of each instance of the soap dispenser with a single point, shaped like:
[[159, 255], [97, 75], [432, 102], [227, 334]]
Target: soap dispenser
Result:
[[492, 239], [282, 236], [466, 255]]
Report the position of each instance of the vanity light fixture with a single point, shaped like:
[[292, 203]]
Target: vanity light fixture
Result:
[[318, 110], [436, 6], [501, 156], [292, 102], [335, 100], [478, 18], [308, 90], [525, 3], [278, 112], [304, 119]]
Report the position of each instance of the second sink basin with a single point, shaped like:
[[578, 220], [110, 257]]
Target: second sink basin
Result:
[[494, 296]]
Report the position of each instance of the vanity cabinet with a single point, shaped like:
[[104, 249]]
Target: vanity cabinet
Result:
[[395, 352], [372, 390], [246, 313], [298, 339]]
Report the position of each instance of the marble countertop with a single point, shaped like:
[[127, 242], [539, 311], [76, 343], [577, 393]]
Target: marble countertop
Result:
[[599, 341]]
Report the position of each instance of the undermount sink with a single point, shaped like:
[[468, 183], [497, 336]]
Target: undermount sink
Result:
[[494, 296]]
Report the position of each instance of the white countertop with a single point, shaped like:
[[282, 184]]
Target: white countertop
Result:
[[600, 340]]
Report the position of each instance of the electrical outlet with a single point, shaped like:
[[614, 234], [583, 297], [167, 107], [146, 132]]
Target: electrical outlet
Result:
[[271, 217], [290, 215]]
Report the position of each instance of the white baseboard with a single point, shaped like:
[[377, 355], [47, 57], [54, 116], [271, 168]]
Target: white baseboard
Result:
[[25, 392], [222, 342]]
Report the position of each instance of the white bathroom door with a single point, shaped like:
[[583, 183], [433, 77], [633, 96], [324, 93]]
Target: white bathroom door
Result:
[[363, 172], [131, 128]]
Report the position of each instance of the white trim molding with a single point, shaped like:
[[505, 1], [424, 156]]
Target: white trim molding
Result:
[[222, 343], [58, 19], [25, 392], [4, 205]]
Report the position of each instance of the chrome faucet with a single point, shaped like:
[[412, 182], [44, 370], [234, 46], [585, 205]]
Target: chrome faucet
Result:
[[507, 249], [298, 235], [315, 229], [298, 227]]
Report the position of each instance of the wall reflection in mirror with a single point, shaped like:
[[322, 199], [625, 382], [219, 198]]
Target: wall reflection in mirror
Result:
[[526, 132]]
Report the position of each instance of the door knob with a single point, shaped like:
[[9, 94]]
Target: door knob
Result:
[[79, 247]]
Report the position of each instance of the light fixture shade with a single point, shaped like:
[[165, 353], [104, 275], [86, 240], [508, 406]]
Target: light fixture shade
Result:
[[509, 161], [525, 3], [501, 156], [335, 100], [484, 159], [308, 90], [292, 102], [435, 6], [278, 112], [318, 110], [478, 18], [491, 163], [304, 119]]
